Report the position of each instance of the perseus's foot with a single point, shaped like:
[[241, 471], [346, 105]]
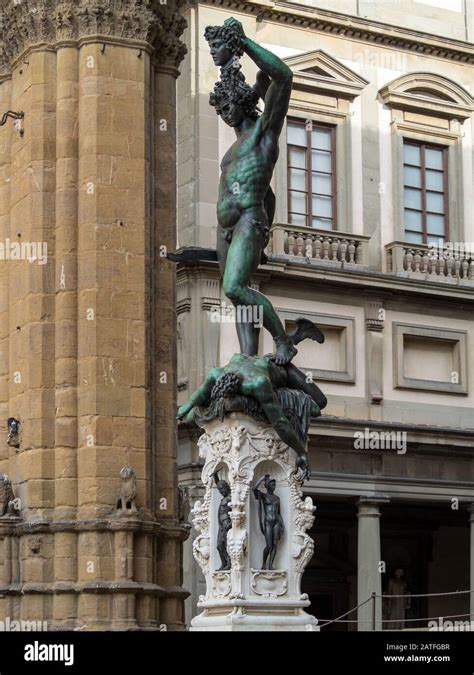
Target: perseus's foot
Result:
[[285, 350]]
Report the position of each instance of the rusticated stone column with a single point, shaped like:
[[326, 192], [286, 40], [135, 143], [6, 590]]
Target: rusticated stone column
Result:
[[88, 335]]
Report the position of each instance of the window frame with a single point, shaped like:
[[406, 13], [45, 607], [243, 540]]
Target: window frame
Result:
[[309, 170], [423, 145]]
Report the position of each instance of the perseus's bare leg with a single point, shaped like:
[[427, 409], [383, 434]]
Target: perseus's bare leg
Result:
[[242, 261], [247, 334]]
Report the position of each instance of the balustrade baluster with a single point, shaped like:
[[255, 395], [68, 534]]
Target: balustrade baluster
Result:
[[326, 242], [471, 269], [291, 243], [317, 247], [457, 266], [441, 265], [417, 260], [424, 262], [343, 250], [299, 245], [351, 250], [449, 266], [270, 246]]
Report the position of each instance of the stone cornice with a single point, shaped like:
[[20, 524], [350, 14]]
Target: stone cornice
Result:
[[353, 27], [427, 432], [95, 587], [10, 525], [155, 24], [302, 273]]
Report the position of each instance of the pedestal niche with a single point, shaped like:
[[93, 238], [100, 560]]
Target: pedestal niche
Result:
[[247, 597]]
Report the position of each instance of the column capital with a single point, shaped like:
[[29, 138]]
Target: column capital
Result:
[[470, 509], [155, 25], [369, 505]]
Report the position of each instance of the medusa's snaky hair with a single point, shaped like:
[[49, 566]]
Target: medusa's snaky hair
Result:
[[231, 37], [234, 89]]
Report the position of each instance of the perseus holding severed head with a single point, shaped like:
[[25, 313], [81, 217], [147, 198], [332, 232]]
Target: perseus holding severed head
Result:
[[226, 44], [233, 99]]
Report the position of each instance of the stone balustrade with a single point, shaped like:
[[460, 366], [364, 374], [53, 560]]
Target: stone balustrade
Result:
[[423, 262], [334, 248]]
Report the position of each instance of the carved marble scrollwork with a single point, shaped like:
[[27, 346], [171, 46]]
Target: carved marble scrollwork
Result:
[[302, 544], [31, 22], [268, 445], [235, 448], [222, 443], [221, 584], [262, 443], [200, 520], [269, 583]]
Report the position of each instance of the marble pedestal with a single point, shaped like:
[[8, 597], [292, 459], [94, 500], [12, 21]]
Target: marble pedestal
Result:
[[246, 597]]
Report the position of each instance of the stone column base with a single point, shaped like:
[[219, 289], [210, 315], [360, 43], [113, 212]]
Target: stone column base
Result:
[[253, 616]]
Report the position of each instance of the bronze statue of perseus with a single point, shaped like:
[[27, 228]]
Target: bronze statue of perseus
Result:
[[246, 203], [268, 388]]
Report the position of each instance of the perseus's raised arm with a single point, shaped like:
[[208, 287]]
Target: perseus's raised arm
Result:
[[277, 89], [278, 94], [268, 62]]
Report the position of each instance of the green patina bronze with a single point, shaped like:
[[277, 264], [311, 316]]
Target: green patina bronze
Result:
[[260, 379], [266, 387], [246, 203]]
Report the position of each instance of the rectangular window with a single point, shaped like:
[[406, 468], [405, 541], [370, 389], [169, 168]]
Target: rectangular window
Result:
[[425, 177], [311, 174]]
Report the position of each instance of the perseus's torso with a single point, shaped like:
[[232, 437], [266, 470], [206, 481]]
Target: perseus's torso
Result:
[[246, 172]]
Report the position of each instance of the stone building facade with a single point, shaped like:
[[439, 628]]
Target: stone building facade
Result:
[[88, 344], [373, 240]]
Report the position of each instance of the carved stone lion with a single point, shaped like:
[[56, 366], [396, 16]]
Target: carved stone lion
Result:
[[8, 504], [128, 492]]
